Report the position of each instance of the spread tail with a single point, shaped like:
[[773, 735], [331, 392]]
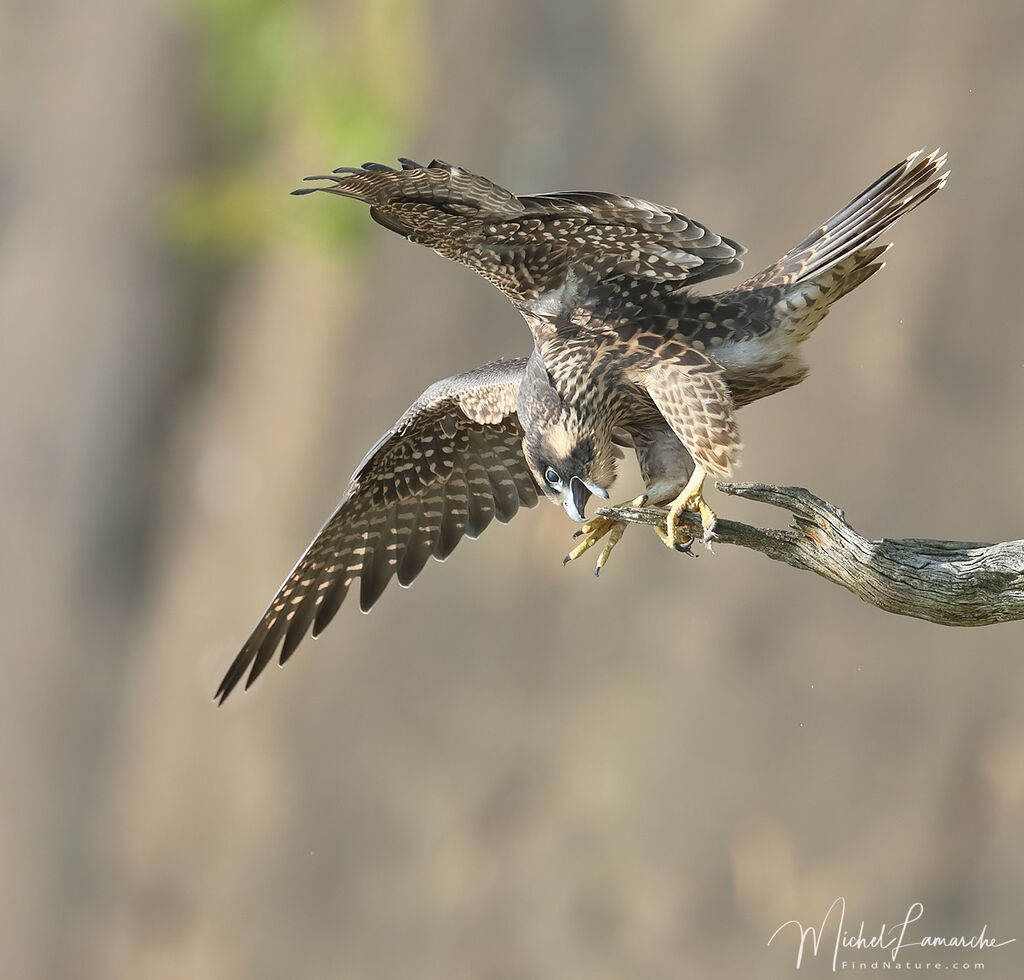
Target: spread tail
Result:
[[848, 231], [839, 255]]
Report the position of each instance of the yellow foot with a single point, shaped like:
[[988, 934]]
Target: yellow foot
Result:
[[683, 547], [591, 533], [690, 499], [596, 530]]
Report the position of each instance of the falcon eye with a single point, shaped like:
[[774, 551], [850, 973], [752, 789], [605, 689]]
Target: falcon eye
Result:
[[554, 480]]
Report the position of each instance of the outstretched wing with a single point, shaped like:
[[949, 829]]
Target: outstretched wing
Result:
[[544, 250], [689, 390], [449, 466]]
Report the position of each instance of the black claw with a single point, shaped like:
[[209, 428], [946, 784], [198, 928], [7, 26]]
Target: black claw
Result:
[[577, 534], [597, 571], [565, 561], [686, 547]]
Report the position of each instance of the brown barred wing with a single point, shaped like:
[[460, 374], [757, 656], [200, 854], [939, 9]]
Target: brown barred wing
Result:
[[611, 235], [541, 249], [452, 463]]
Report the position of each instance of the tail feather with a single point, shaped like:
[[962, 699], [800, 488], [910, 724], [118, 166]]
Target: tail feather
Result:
[[893, 195], [848, 274]]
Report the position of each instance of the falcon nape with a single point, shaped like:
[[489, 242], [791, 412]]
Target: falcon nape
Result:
[[625, 355]]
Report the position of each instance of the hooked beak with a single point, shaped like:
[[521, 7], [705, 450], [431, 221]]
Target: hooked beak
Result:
[[575, 502], [600, 491]]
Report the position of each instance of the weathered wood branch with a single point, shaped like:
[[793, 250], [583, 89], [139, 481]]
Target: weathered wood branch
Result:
[[954, 583]]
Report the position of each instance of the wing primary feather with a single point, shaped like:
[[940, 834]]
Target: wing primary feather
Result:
[[378, 565], [420, 545], [512, 459], [481, 500], [506, 499], [526, 489], [503, 492], [236, 671], [453, 519], [331, 602], [265, 651], [303, 617]]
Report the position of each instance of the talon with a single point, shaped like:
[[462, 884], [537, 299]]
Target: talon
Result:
[[614, 537], [685, 547], [691, 499], [591, 533], [709, 535]]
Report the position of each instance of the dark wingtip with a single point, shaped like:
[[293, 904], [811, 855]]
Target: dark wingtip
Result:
[[224, 690], [230, 680], [298, 192], [380, 168]]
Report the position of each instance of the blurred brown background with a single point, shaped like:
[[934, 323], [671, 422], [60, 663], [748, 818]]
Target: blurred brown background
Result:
[[512, 770]]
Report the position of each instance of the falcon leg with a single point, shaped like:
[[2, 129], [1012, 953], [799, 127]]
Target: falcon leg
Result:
[[692, 499]]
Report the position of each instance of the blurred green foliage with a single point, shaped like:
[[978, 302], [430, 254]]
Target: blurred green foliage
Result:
[[291, 88]]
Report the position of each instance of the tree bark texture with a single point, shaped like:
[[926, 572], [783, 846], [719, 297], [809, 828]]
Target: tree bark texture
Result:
[[953, 583]]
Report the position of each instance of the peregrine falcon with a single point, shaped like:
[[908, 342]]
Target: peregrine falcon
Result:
[[626, 355]]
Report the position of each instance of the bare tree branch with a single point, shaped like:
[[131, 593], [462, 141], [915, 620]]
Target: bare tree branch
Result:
[[954, 583]]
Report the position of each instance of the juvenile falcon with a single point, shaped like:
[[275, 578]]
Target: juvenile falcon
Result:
[[625, 354]]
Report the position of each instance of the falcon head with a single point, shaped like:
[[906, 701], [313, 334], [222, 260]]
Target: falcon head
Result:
[[568, 451], [569, 467]]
